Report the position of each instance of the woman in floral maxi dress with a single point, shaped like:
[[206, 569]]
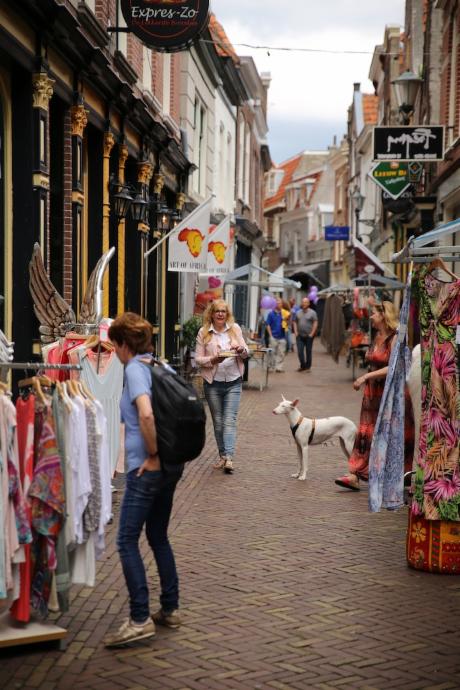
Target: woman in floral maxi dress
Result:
[[384, 320]]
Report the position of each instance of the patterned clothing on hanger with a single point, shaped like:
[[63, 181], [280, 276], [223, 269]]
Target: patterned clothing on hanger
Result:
[[437, 478]]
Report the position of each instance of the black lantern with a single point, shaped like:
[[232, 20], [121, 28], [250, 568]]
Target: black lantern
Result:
[[163, 216], [121, 203], [406, 87], [140, 208]]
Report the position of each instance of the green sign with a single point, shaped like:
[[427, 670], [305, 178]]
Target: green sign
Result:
[[394, 178]]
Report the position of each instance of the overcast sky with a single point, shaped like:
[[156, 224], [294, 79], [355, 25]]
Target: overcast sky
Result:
[[310, 92]]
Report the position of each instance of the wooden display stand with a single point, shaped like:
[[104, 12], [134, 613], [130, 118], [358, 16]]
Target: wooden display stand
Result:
[[13, 634]]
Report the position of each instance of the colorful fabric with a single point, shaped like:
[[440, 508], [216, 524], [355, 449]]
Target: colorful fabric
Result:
[[19, 503], [378, 356], [25, 410], [433, 545], [437, 478], [389, 455], [47, 500]]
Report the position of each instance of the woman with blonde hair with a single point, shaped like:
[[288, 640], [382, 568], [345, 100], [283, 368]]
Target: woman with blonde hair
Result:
[[220, 351], [384, 320]]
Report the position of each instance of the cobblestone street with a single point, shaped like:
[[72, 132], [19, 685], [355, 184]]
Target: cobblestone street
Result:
[[284, 584]]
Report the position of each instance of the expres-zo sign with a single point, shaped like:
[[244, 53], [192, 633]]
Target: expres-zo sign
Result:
[[166, 25], [424, 143]]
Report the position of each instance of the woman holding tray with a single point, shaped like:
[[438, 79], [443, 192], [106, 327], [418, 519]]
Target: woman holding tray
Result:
[[220, 351]]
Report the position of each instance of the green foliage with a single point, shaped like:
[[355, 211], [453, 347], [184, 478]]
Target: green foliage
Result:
[[448, 510], [190, 330], [418, 485]]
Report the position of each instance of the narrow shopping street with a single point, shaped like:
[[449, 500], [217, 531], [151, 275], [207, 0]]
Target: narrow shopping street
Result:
[[284, 584]]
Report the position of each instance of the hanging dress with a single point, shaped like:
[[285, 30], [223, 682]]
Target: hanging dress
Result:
[[437, 478]]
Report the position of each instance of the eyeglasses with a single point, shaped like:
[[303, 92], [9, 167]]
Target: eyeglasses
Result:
[[220, 311]]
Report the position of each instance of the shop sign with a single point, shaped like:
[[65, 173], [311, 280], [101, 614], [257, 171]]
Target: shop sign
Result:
[[337, 232], [166, 25], [424, 143], [392, 177]]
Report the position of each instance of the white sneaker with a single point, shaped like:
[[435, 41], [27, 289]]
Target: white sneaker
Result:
[[130, 632]]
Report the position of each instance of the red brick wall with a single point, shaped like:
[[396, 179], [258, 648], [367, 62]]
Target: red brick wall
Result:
[[157, 71], [67, 202], [135, 54], [175, 87]]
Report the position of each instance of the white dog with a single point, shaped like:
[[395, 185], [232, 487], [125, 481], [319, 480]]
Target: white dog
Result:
[[312, 432]]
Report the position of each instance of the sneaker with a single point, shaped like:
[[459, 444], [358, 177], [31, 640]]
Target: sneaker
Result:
[[228, 467], [130, 632], [170, 620]]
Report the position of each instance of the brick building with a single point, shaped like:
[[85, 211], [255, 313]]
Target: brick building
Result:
[[80, 106]]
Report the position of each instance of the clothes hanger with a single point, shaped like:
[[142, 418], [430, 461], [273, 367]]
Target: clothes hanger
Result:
[[4, 387], [34, 383], [60, 390], [438, 262], [86, 391]]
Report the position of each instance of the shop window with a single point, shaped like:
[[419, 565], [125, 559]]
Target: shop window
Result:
[[199, 147]]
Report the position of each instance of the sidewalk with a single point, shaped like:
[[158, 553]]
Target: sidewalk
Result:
[[284, 584]]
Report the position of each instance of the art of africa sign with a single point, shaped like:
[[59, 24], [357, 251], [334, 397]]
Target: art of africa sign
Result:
[[166, 25]]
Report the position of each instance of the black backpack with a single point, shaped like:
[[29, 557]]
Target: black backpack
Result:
[[180, 417]]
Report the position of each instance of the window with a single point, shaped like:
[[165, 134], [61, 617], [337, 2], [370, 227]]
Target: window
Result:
[[122, 37], [247, 165], [241, 159], [147, 69], [229, 189], [199, 147]]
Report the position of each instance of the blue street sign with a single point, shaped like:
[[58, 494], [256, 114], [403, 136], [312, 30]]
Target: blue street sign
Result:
[[336, 232]]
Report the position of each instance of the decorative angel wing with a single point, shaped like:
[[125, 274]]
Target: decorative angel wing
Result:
[[55, 315], [91, 308], [6, 354]]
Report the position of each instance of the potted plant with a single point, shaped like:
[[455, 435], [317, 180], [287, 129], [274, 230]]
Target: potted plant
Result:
[[188, 340]]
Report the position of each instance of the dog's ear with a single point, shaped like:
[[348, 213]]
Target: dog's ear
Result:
[[295, 402]]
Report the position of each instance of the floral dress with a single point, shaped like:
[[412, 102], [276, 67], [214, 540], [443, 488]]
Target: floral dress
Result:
[[437, 478], [378, 356]]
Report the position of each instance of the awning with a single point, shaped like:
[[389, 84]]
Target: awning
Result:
[[235, 278], [376, 280], [337, 287], [364, 257], [309, 270]]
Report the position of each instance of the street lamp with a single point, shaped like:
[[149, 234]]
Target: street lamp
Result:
[[406, 86], [358, 201]]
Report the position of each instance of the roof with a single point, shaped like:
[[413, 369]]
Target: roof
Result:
[[289, 167], [221, 41], [370, 108]]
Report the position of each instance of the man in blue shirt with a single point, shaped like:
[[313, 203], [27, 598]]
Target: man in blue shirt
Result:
[[277, 336], [149, 492]]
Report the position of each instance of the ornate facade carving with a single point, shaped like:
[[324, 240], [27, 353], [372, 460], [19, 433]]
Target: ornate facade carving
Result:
[[158, 183], [180, 201], [79, 119], [42, 90], [144, 172], [109, 142], [122, 156]]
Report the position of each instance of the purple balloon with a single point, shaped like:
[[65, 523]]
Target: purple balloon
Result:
[[267, 302]]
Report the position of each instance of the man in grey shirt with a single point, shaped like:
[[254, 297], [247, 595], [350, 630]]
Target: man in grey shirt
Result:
[[305, 325]]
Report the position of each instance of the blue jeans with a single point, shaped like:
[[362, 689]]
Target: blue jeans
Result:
[[304, 344], [224, 400], [148, 501]]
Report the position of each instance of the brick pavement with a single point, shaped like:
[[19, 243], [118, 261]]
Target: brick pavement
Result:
[[284, 584]]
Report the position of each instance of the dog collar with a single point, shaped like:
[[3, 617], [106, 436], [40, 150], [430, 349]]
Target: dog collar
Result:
[[312, 432]]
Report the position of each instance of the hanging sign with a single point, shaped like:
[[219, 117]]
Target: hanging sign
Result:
[[337, 232], [188, 244], [219, 249], [166, 25], [423, 143], [392, 177]]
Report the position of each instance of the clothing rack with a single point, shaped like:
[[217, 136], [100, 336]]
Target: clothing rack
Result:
[[39, 365], [416, 250]]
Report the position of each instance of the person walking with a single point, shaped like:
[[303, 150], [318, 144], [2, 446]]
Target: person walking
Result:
[[384, 321], [220, 351], [294, 308], [277, 334], [305, 325], [149, 490]]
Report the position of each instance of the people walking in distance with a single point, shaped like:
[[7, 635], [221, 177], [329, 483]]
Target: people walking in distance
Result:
[[305, 325], [149, 490], [384, 321], [286, 322], [277, 335], [220, 351], [294, 308]]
